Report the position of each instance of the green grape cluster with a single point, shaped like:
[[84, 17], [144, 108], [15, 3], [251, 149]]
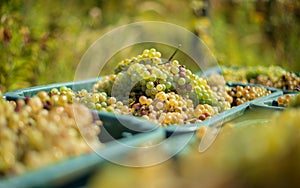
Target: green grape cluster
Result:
[[93, 99], [150, 55], [234, 74], [147, 74], [141, 79], [36, 132], [271, 71], [105, 84], [273, 76]]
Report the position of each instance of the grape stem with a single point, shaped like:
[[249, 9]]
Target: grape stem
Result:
[[174, 53]]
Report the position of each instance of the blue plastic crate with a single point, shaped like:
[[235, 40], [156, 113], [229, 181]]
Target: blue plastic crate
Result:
[[270, 104]]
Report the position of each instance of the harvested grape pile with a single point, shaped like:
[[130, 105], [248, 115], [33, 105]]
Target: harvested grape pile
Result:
[[163, 91], [272, 76], [283, 101], [36, 132], [235, 95]]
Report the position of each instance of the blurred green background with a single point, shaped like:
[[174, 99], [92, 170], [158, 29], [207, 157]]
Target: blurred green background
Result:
[[42, 42]]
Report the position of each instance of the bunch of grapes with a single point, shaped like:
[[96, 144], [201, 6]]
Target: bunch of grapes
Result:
[[289, 81], [171, 108], [283, 101], [105, 84], [36, 132], [273, 76], [234, 74], [219, 88], [244, 94], [147, 74], [233, 96]]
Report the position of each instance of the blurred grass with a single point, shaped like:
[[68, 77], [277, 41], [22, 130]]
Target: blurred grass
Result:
[[42, 42]]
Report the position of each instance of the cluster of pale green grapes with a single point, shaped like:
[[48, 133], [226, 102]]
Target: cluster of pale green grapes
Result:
[[273, 76], [151, 54], [147, 74], [105, 84], [36, 132], [233, 74], [245, 74]]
